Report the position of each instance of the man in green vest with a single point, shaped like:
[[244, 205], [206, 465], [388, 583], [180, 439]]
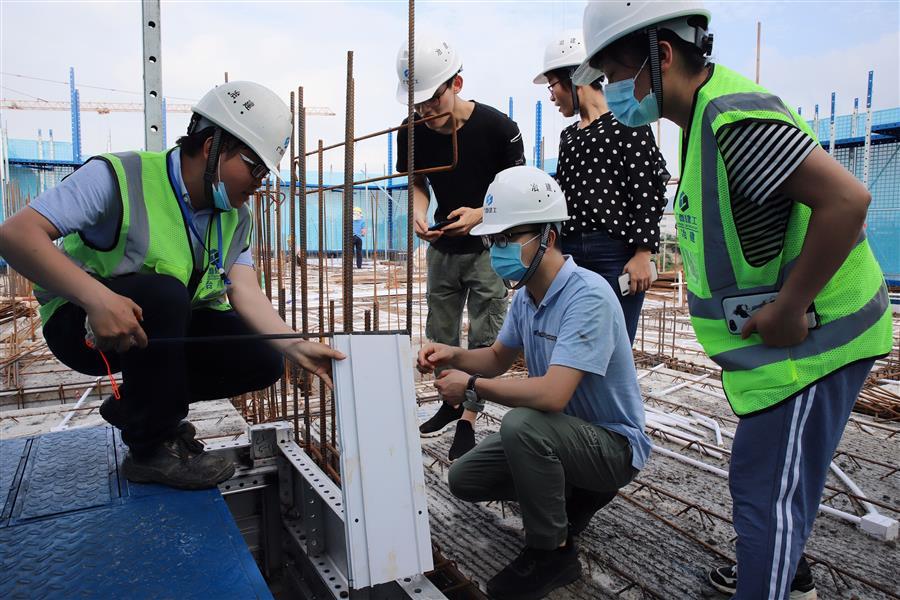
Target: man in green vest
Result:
[[784, 292], [156, 247]]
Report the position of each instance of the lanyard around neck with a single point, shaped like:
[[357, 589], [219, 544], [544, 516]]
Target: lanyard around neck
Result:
[[214, 255]]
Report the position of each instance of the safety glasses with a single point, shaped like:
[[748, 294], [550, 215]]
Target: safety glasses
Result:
[[436, 97], [502, 240], [257, 169]]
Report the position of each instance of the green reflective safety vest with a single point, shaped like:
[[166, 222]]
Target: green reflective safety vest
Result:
[[853, 307], [153, 236]]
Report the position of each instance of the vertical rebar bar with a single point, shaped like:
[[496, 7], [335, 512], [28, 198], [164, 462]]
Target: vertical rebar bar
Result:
[[267, 243], [331, 324], [323, 429], [347, 275], [410, 161], [374, 205], [278, 249], [321, 239], [258, 231], [301, 156], [292, 212], [368, 320]]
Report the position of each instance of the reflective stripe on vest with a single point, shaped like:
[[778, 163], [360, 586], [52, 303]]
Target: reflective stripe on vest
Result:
[[853, 305], [142, 178]]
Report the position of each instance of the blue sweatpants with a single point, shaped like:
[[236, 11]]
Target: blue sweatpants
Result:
[[779, 462]]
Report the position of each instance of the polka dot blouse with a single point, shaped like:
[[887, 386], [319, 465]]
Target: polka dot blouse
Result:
[[614, 180]]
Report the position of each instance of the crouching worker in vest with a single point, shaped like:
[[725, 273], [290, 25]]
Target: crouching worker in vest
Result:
[[156, 245], [575, 433], [783, 289]]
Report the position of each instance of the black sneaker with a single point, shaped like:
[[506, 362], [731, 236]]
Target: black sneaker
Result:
[[536, 573], [582, 505], [463, 439], [803, 587], [436, 425], [176, 464]]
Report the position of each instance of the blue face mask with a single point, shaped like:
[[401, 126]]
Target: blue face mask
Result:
[[220, 194], [626, 108], [507, 262]]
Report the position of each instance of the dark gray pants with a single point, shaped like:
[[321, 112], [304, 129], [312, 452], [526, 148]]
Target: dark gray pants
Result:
[[536, 458]]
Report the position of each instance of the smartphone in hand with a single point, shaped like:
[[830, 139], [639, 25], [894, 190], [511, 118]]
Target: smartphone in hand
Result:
[[625, 279], [441, 224]]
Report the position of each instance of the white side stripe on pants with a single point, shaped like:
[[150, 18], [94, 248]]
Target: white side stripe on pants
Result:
[[790, 471]]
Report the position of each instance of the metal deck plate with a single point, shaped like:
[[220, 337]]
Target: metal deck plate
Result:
[[73, 533]]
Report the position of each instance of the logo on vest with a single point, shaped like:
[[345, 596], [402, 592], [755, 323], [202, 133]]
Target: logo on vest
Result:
[[682, 201]]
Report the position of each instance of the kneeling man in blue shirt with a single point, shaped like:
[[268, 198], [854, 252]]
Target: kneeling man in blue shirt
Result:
[[575, 434]]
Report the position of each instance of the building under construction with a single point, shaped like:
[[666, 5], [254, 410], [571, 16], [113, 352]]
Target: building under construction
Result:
[[313, 511]]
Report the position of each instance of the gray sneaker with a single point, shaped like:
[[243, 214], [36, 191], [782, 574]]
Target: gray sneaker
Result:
[[176, 463]]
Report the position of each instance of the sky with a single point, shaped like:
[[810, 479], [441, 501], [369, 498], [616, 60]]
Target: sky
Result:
[[809, 49]]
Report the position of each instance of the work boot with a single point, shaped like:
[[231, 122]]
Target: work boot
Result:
[[463, 439], [176, 464], [436, 425], [582, 505], [112, 412], [535, 573], [803, 587]]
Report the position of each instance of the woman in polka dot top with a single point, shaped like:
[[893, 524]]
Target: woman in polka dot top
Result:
[[614, 179]]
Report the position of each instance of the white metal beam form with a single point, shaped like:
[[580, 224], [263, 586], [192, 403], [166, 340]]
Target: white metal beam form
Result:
[[383, 481]]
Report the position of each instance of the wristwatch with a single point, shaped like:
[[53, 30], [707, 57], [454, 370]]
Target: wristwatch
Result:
[[471, 394]]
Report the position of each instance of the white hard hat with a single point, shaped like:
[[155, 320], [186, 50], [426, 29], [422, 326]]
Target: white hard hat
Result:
[[521, 196], [436, 62], [566, 51], [607, 21], [252, 113]]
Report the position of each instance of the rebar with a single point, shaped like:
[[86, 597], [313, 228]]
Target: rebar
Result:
[[410, 161], [347, 255]]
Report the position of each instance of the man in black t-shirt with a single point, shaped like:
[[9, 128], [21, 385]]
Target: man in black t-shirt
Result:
[[459, 269]]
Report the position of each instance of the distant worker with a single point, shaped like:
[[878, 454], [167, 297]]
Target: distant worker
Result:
[[575, 434], [359, 232], [761, 210], [614, 179], [459, 270], [156, 246]]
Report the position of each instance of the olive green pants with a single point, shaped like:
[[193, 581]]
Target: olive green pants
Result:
[[536, 459], [463, 280]]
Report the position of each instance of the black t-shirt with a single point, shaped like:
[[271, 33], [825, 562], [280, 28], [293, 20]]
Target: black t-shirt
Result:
[[487, 143], [614, 178]]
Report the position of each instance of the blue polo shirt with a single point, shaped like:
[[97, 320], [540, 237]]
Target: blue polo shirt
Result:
[[579, 324]]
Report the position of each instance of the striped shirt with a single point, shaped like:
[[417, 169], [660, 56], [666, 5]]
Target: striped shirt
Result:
[[759, 156]]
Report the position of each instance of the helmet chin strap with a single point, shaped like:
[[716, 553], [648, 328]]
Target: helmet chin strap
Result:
[[576, 105], [655, 71], [535, 262], [212, 166]]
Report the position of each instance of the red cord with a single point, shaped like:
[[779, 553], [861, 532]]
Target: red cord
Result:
[[112, 381]]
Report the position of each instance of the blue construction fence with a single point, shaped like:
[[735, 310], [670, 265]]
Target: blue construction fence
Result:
[[384, 212], [883, 222]]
